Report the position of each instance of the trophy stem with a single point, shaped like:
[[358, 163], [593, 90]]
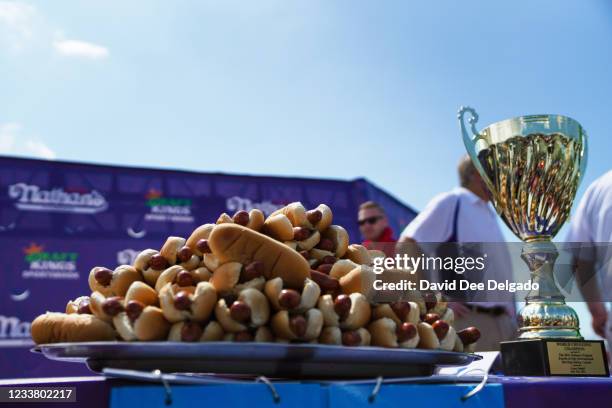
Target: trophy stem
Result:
[[545, 314]]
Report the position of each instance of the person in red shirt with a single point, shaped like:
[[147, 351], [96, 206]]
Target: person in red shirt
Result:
[[375, 229]]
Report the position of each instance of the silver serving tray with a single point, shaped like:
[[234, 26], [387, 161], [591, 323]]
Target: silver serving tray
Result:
[[268, 359]]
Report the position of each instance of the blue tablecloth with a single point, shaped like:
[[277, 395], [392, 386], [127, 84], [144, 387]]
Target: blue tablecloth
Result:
[[576, 392], [308, 395], [511, 392]]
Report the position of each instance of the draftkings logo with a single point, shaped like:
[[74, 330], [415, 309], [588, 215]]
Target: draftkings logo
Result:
[[30, 197], [43, 264], [166, 208]]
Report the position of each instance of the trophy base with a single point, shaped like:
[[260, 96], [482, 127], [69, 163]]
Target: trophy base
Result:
[[550, 357]]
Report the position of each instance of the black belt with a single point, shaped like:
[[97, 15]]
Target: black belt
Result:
[[493, 311]]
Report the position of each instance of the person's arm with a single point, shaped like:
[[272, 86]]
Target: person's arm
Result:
[[584, 262], [591, 292], [432, 225]]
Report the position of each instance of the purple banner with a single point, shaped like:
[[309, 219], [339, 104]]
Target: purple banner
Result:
[[58, 220]]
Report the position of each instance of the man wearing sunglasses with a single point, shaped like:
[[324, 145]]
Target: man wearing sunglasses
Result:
[[375, 229]]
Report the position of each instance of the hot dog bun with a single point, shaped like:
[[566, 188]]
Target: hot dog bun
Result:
[[339, 237], [60, 327], [256, 219], [202, 232], [295, 212], [360, 279], [358, 254], [150, 325], [142, 292], [429, 340], [278, 227], [232, 242]]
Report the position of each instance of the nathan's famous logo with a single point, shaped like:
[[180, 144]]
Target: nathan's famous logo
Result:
[[13, 328], [236, 203], [127, 256], [167, 208], [30, 197], [43, 264]]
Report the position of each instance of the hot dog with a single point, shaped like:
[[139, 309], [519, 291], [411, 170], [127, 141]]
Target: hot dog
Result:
[[61, 327], [230, 242]]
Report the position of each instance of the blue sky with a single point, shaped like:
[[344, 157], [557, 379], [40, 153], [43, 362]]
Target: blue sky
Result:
[[338, 89], [326, 89]]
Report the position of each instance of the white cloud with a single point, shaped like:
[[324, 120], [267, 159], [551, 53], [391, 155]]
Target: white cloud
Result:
[[17, 22], [13, 142], [76, 48], [39, 149], [23, 28]]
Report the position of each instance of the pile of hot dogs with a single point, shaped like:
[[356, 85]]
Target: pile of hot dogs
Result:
[[290, 277]]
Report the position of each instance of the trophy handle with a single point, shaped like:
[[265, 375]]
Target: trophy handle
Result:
[[468, 139]]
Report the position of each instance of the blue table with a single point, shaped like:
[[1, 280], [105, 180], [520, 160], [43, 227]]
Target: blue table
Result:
[[308, 395], [511, 392]]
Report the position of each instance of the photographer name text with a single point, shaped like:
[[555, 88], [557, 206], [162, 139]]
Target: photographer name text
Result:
[[462, 284]]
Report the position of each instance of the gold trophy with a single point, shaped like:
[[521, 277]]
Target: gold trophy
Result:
[[532, 166]]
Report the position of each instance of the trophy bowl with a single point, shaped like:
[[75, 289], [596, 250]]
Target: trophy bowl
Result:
[[532, 166]]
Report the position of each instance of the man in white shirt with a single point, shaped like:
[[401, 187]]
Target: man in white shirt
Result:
[[592, 225], [464, 215]]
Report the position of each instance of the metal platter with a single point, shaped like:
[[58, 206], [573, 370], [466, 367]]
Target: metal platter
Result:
[[300, 361]]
